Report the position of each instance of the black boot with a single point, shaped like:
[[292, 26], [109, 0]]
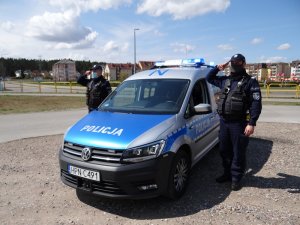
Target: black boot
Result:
[[236, 185], [224, 178]]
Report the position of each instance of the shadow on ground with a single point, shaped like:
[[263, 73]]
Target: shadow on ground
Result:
[[255, 162], [203, 192]]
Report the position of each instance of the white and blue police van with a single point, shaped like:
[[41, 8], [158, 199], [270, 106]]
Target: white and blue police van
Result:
[[145, 137]]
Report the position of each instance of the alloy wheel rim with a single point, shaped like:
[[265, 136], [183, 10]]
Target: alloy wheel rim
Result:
[[181, 174]]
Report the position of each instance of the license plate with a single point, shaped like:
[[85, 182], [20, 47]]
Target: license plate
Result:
[[84, 173]]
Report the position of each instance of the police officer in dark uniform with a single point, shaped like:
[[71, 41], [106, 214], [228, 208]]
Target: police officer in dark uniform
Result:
[[97, 87], [239, 107]]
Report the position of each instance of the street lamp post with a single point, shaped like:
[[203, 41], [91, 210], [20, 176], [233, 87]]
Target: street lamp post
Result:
[[134, 45]]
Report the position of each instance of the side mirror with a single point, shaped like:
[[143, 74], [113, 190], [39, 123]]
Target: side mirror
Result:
[[202, 108]]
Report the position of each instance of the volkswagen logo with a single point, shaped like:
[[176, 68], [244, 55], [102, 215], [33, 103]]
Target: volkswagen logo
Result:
[[86, 154]]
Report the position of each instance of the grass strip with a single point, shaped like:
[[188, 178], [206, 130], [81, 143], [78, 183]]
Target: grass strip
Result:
[[24, 104]]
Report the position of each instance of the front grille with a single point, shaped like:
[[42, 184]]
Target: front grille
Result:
[[93, 186], [107, 187], [98, 154]]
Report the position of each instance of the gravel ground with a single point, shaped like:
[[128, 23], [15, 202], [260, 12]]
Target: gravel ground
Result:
[[31, 191]]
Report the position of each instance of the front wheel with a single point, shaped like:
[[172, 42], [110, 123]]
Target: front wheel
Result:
[[179, 175]]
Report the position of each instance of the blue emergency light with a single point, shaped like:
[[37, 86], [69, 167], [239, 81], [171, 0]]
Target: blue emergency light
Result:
[[193, 62]]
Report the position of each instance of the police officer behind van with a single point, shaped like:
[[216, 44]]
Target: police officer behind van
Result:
[[97, 87], [239, 108]]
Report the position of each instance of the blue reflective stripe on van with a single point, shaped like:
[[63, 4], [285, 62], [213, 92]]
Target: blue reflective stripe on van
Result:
[[201, 126], [173, 136], [111, 130]]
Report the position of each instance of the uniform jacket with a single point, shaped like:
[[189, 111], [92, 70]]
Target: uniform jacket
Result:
[[251, 89], [97, 90]]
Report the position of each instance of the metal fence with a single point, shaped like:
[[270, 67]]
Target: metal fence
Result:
[[45, 87], [290, 91], [272, 90]]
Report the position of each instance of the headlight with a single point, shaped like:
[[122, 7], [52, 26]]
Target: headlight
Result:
[[144, 152]]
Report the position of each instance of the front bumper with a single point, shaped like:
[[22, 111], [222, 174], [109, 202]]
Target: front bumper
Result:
[[123, 181]]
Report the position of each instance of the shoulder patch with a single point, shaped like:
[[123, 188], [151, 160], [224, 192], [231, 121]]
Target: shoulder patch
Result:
[[256, 96]]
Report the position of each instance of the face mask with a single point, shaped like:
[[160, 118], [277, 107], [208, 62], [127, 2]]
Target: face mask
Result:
[[93, 75], [236, 68]]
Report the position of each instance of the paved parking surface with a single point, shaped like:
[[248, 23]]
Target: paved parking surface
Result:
[[31, 191]]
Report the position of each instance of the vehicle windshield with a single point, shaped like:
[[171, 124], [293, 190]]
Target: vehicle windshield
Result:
[[147, 96]]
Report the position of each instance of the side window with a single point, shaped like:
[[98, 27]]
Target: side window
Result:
[[148, 92], [199, 95]]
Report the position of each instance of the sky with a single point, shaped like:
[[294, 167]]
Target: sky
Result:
[[103, 30]]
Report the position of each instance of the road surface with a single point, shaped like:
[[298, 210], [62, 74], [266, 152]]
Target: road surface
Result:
[[18, 126]]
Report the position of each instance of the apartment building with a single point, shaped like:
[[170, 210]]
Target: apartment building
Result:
[[64, 70], [145, 65], [295, 70], [118, 71], [271, 71], [279, 71], [258, 70], [114, 71]]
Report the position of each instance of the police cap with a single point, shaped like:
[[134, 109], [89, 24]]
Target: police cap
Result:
[[238, 57], [97, 67]]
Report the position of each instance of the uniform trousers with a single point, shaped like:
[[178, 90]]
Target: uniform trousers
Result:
[[233, 145]]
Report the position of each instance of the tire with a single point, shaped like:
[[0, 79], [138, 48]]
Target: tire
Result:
[[179, 175]]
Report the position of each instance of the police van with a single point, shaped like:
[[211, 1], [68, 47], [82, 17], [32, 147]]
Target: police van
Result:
[[146, 135]]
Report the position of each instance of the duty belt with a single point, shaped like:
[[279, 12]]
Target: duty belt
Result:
[[234, 117]]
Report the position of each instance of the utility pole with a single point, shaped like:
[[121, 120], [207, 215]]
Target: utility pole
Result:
[[134, 45], [40, 64]]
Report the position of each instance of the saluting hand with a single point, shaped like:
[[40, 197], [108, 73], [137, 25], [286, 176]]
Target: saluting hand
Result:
[[223, 66]]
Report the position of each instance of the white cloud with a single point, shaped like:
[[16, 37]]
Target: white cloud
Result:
[[183, 48], [182, 9], [88, 5], [284, 46], [87, 42], [64, 27], [158, 33], [57, 27], [7, 25], [225, 47], [272, 59], [3, 52], [256, 41], [76, 56], [111, 46]]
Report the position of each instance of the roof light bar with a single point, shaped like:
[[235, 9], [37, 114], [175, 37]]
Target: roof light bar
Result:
[[196, 62], [174, 62], [193, 61]]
